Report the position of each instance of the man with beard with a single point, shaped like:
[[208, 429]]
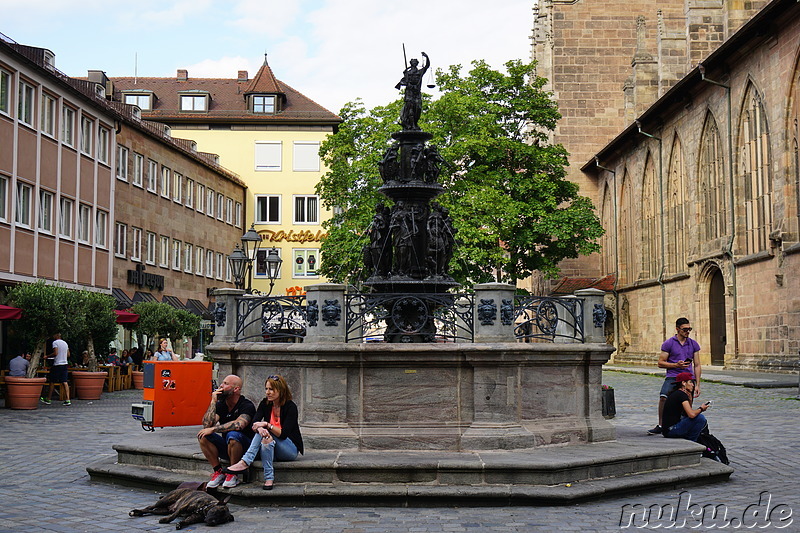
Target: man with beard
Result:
[[226, 429]]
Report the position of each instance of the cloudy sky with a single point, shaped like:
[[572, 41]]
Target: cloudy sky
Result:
[[331, 50]]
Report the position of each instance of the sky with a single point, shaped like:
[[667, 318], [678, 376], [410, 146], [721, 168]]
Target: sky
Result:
[[333, 51]]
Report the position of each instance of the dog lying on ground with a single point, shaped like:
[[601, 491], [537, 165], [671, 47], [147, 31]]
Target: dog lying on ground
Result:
[[196, 505]]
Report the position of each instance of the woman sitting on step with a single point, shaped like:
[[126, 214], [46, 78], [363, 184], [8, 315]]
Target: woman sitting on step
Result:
[[681, 420], [277, 431]]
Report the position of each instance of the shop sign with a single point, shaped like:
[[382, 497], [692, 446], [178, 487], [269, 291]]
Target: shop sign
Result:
[[141, 279], [292, 236]]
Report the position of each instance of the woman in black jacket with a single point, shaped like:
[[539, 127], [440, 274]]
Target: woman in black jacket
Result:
[[277, 432]]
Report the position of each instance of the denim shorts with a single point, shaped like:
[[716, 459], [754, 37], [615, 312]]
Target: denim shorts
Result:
[[668, 386], [221, 441]]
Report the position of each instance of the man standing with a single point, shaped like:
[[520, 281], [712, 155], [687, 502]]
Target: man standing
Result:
[[18, 367], [226, 429], [58, 372], [678, 354]]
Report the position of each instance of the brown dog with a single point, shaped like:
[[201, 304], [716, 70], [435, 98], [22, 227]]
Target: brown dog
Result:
[[197, 506]]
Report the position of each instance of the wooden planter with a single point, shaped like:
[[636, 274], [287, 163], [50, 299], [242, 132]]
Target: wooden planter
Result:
[[138, 380], [23, 393], [609, 407], [89, 385]]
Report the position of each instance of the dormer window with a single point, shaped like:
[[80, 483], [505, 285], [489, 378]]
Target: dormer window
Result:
[[262, 103], [142, 99], [195, 101]]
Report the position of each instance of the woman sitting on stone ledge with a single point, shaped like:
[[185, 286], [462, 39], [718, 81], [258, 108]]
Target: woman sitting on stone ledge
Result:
[[277, 431], [681, 420]]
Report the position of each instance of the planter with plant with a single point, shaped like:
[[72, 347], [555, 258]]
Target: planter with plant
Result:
[[609, 407], [99, 327]]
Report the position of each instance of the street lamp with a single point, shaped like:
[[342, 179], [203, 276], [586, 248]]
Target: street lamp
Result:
[[238, 261], [274, 262], [251, 242]]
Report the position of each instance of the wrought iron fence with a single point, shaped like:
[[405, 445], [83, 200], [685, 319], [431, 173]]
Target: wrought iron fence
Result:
[[270, 318], [395, 317], [543, 318]]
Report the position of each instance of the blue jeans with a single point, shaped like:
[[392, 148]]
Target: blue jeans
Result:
[[277, 450], [687, 428]]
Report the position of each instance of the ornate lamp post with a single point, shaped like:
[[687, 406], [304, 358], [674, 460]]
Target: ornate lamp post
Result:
[[251, 242], [238, 261], [274, 262]]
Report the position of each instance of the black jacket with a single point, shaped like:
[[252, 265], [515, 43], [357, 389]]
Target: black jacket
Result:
[[289, 426]]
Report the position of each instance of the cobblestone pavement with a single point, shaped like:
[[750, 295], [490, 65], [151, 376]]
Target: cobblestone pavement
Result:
[[46, 488]]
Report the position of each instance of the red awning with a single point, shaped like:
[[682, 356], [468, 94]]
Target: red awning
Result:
[[10, 313], [126, 317]]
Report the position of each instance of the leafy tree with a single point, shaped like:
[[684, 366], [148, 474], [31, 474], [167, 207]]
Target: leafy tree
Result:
[[100, 324], [162, 319], [506, 189]]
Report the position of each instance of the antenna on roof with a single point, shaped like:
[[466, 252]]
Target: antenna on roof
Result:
[[265, 57]]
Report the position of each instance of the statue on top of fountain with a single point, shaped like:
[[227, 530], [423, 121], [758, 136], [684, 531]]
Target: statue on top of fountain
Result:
[[412, 99]]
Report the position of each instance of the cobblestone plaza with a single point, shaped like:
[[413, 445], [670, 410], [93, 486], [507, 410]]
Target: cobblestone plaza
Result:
[[47, 488]]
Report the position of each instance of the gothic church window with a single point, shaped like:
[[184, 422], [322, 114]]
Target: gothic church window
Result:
[[651, 225], [713, 203], [676, 211]]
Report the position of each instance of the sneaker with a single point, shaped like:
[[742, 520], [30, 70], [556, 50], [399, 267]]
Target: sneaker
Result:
[[216, 479], [45, 401], [67, 402], [655, 431], [231, 481]]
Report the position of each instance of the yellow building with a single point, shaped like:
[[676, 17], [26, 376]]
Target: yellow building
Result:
[[269, 134]]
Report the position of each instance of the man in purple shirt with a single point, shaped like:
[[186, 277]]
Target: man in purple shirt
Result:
[[678, 354]]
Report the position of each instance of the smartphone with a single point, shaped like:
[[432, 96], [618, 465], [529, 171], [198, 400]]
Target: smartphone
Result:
[[708, 403]]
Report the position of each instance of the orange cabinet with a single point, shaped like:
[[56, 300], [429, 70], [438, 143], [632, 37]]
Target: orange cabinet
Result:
[[177, 392]]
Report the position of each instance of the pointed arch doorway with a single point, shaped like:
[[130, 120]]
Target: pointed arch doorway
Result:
[[716, 311]]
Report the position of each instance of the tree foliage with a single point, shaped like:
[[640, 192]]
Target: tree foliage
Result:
[[514, 210], [157, 318]]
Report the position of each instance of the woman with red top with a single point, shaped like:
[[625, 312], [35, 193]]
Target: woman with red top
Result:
[[277, 431]]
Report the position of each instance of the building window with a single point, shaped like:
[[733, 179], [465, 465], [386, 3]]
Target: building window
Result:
[[676, 215], [121, 240], [712, 182], [305, 262], [220, 206], [238, 216], [100, 229], [209, 263], [86, 135], [176, 254], [220, 265], [229, 210], [48, 115], [23, 212], [45, 211], [104, 146], [188, 255], [194, 102], [122, 163], [152, 175], [5, 92], [165, 174], [268, 209], [755, 173], [210, 202], [65, 218], [201, 197], [84, 223], [138, 169], [136, 244], [306, 156], [163, 259], [177, 188], [261, 263], [628, 266], [189, 193], [198, 262], [151, 248], [264, 104], [68, 126], [140, 100], [268, 156], [25, 103], [651, 226], [306, 210], [3, 198]]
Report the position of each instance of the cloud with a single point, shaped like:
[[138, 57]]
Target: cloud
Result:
[[225, 67]]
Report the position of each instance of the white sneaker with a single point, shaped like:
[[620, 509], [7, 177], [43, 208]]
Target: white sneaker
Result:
[[231, 480], [216, 479]]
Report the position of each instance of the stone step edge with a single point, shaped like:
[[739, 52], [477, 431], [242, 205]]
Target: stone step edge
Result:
[[359, 494]]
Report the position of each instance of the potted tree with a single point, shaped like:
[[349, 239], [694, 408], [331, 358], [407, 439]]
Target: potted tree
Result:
[[99, 327], [162, 319], [44, 313]]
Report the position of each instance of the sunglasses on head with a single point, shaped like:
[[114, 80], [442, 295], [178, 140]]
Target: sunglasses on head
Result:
[[274, 378], [686, 329]]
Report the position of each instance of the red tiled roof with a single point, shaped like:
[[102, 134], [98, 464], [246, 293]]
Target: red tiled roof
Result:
[[567, 285], [227, 99]]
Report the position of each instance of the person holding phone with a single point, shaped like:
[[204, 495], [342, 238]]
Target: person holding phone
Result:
[[681, 420], [678, 354]]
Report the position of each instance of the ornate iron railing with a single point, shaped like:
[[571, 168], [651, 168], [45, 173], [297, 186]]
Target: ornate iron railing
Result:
[[270, 318], [538, 317], [395, 317]]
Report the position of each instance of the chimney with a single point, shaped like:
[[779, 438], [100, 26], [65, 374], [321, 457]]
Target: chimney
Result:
[[183, 74], [242, 75]]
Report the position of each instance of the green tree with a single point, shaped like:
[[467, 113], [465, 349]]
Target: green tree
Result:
[[507, 192], [99, 324], [162, 319]]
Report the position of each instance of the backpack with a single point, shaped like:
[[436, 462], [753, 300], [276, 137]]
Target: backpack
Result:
[[714, 448]]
